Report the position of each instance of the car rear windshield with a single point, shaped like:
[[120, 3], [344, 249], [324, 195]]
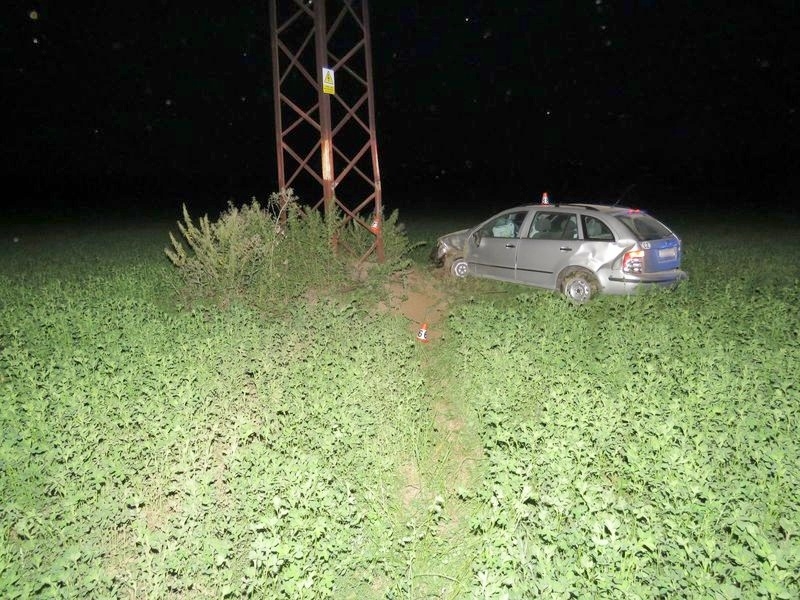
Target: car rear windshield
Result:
[[645, 227]]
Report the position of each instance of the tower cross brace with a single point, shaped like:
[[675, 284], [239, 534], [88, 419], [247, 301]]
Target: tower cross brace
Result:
[[325, 112]]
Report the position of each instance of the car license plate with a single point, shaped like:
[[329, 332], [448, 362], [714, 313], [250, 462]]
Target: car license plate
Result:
[[668, 252]]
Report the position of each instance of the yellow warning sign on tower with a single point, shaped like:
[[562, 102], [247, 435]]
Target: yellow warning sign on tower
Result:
[[328, 85]]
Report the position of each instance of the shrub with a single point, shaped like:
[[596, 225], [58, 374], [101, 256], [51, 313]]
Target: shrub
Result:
[[226, 256], [396, 246], [267, 255]]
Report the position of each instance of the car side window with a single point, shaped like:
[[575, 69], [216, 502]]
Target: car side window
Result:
[[554, 226], [505, 226], [594, 229]]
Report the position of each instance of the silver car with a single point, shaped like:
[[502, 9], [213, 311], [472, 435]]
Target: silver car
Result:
[[578, 249]]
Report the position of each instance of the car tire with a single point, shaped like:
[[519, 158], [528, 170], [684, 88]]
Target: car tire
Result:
[[580, 286], [459, 268]]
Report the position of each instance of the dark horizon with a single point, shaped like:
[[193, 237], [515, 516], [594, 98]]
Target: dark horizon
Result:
[[135, 111]]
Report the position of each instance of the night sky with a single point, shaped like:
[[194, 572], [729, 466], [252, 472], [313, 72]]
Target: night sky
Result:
[[109, 105]]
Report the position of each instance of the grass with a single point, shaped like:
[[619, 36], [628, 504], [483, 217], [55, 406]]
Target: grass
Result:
[[635, 447]]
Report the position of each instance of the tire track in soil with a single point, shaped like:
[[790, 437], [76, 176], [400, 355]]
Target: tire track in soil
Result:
[[453, 450]]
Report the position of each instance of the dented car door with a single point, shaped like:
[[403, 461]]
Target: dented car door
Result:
[[547, 247]]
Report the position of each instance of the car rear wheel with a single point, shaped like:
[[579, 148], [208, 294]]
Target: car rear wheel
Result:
[[459, 268], [580, 287]]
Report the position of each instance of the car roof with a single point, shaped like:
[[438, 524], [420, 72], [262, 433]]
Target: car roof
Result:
[[583, 207], [604, 208]]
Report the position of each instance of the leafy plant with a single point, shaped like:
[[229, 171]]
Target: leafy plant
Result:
[[629, 448], [621, 464]]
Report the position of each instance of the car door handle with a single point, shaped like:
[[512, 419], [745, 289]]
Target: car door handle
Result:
[[511, 245], [565, 249]]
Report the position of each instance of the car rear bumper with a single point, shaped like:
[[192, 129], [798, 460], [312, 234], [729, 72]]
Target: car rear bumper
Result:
[[627, 284]]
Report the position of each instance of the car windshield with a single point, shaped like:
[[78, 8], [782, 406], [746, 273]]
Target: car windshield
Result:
[[645, 227]]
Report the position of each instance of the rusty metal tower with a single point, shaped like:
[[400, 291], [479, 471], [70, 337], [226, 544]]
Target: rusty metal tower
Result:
[[325, 111]]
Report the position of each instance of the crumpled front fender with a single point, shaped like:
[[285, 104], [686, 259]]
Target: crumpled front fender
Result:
[[449, 246]]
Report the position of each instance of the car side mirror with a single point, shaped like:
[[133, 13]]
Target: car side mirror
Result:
[[476, 237]]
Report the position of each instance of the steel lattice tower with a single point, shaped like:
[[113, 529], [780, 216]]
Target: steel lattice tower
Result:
[[327, 140]]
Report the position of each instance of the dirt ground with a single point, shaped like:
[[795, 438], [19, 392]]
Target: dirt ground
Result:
[[417, 295], [420, 296]]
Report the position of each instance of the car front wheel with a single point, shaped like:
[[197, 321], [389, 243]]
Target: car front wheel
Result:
[[580, 287], [459, 268]]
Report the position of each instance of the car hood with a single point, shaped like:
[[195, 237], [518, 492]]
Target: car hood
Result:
[[455, 240]]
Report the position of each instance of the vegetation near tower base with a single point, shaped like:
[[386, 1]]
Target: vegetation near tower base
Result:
[[267, 255]]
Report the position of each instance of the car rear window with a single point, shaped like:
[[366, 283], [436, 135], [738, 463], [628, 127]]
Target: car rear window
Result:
[[645, 227]]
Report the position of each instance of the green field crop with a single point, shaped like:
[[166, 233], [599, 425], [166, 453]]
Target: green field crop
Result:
[[630, 448]]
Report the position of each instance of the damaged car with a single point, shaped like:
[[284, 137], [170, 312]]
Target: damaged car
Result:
[[577, 249]]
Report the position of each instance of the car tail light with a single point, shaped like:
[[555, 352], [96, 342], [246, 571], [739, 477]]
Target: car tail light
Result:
[[633, 261]]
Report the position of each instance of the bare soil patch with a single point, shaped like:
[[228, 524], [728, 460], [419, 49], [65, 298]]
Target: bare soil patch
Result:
[[417, 295]]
